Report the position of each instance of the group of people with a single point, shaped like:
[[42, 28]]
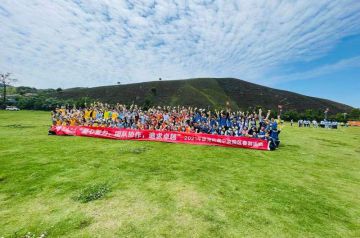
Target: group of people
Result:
[[307, 123], [315, 124], [166, 118], [329, 124]]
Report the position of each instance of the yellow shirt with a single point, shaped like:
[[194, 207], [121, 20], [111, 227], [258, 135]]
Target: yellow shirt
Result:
[[62, 110], [114, 116], [94, 114], [106, 115], [87, 114], [279, 125]]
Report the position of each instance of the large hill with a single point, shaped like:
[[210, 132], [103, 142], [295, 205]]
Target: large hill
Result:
[[203, 92]]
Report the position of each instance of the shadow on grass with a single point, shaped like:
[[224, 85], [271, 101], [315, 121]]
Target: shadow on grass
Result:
[[136, 150], [19, 126], [331, 142]]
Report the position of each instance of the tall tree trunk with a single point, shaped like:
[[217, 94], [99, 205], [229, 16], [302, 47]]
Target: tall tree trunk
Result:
[[4, 96]]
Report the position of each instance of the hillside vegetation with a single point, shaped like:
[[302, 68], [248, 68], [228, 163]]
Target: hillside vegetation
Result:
[[203, 92]]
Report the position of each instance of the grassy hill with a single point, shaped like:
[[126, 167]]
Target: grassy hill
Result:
[[309, 187], [203, 92]]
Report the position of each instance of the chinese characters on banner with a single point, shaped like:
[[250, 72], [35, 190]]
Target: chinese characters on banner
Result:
[[163, 136]]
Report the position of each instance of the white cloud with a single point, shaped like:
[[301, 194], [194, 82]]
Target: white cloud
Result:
[[87, 43], [323, 70]]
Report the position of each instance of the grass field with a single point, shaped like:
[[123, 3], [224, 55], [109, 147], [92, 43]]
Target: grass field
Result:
[[310, 187]]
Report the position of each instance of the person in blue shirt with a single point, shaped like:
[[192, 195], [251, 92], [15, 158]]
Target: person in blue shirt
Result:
[[262, 133], [222, 120], [213, 121], [273, 132], [228, 123], [273, 124], [203, 117], [213, 130], [196, 117]]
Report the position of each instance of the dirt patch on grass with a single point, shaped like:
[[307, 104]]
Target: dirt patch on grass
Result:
[[189, 197], [130, 209]]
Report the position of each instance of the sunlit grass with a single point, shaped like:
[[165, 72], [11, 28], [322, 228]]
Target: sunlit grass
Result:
[[309, 187]]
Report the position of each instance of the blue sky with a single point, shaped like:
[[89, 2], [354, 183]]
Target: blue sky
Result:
[[309, 47]]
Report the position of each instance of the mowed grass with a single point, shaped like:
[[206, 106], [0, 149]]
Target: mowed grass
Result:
[[309, 187]]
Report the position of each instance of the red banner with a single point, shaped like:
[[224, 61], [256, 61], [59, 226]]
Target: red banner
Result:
[[163, 136]]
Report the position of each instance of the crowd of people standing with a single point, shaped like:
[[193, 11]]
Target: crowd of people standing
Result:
[[167, 118]]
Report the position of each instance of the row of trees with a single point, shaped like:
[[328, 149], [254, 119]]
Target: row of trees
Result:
[[44, 102]]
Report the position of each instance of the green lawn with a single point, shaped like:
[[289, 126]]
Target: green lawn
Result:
[[309, 187]]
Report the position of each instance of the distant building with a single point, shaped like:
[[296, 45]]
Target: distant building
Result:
[[30, 94]]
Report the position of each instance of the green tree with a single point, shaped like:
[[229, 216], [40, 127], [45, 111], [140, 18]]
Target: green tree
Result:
[[6, 81], [290, 115], [355, 114]]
